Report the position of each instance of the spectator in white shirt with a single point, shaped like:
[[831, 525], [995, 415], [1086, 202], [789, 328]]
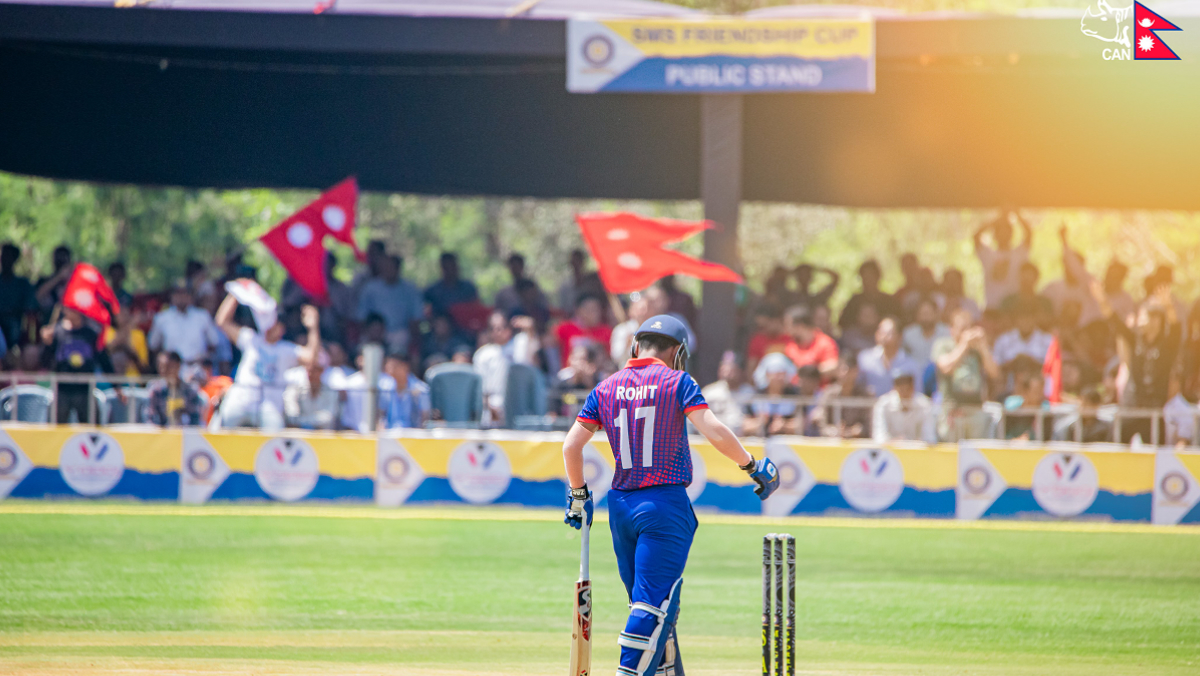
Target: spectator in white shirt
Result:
[[729, 397], [903, 414], [1025, 339], [184, 329], [1002, 264], [877, 364], [396, 300], [307, 402], [919, 336], [1072, 289], [256, 397]]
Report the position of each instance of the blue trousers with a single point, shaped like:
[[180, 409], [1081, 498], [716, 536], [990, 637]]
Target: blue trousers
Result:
[[652, 531]]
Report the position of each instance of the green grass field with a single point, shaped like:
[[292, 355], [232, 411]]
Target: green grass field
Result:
[[126, 589]]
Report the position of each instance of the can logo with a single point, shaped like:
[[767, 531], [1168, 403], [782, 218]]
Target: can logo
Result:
[[1065, 484], [91, 463], [871, 479], [286, 469], [479, 472]]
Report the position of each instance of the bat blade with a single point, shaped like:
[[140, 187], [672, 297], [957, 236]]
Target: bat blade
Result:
[[581, 630]]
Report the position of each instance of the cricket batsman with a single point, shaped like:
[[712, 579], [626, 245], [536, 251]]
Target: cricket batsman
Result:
[[643, 409]]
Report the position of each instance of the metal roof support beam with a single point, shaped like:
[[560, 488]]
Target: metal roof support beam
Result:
[[721, 191]]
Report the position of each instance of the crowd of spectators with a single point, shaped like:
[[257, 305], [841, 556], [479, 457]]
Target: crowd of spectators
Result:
[[923, 362]]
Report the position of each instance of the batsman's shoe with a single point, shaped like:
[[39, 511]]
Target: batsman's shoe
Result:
[[765, 475], [579, 505]]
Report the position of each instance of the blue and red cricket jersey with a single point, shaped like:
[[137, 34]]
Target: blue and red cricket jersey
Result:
[[643, 409]]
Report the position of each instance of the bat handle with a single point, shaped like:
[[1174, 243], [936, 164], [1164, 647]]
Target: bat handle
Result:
[[585, 551]]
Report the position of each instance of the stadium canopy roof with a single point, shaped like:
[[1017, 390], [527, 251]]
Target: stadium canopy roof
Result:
[[469, 97]]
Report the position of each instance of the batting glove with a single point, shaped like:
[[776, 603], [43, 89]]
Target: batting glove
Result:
[[765, 474], [579, 504]]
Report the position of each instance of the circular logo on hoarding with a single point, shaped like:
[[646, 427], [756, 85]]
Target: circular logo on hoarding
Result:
[[8, 460], [871, 479], [1065, 484], [1174, 486], [91, 463], [479, 472], [200, 464], [791, 470], [286, 469], [394, 468], [598, 50], [977, 480]]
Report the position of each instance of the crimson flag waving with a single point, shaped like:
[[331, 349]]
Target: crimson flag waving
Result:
[[296, 244], [337, 207], [1052, 372], [88, 293], [1147, 44], [298, 241], [631, 254]]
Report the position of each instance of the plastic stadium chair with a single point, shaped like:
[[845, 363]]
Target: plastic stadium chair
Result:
[[456, 390], [26, 403], [524, 394]]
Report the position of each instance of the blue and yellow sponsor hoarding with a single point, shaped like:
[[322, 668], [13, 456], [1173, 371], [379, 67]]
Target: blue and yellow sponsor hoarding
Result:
[[971, 481], [721, 55]]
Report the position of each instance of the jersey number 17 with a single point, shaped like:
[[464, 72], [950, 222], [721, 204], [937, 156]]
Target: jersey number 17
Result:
[[625, 451]]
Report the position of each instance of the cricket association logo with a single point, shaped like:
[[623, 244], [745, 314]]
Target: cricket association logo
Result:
[[91, 463], [8, 460], [1174, 486], [479, 472], [977, 480], [871, 479], [1114, 25], [1065, 484], [286, 469]]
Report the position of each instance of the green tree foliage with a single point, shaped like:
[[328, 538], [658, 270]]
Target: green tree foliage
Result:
[[156, 230]]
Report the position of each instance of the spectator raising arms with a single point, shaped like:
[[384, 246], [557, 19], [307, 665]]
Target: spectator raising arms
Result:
[[256, 398], [1002, 263]]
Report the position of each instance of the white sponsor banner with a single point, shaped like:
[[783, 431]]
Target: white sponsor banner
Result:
[[871, 479], [699, 477], [91, 463], [1175, 489], [14, 464], [795, 480], [286, 469], [596, 473], [201, 471], [397, 475], [979, 484], [1065, 484], [480, 472]]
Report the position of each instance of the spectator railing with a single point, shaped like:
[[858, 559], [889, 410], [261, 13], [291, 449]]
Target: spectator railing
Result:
[[1067, 422]]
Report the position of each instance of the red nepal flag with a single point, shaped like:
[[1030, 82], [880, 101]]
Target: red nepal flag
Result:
[[630, 252], [88, 293], [296, 244], [1146, 44], [1052, 372], [337, 208]]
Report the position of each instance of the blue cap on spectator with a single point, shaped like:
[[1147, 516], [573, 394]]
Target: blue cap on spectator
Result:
[[664, 325]]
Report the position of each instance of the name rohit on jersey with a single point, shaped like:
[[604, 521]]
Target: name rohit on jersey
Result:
[[640, 392]]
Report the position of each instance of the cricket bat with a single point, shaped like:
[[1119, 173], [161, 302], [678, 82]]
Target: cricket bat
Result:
[[581, 629]]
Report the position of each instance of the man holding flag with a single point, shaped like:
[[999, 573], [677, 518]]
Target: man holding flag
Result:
[[73, 344]]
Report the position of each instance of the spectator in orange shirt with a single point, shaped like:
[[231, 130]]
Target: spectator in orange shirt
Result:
[[213, 386], [810, 346]]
